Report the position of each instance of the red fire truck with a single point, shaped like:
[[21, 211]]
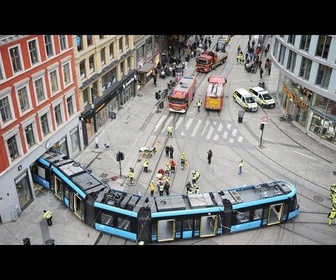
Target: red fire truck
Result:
[[182, 95], [215, 92]]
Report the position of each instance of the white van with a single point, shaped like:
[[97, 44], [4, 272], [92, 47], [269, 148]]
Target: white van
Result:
[[245, 99], [263, 97]]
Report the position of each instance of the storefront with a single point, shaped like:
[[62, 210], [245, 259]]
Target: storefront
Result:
[[312, 111], [145, 72], [106, 106]]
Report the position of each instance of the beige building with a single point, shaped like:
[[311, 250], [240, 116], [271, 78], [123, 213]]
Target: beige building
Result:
[[105, 69]]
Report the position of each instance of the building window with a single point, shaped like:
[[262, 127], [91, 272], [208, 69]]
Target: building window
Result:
[[91, 63], [23, 190], [5, 109], [33, 52], [45, 124], [63, 42], [305, 68], [111, 51], [323, 44], [126, 42], [323, 76], [291, 61], [58, 114], [121, 45], [128, 63], [53, 81], [66, 73], [109, 78], [48, 45], [282, 54], [79, 42], [82, 70], [101, 37], [30, 138], [13, 147], [15, 58], [89, 40], [70, 106], [86, 97], [1, 71], [122, 68], [23, 99], [305, 42], [102, 56], [39, 88], [74, 135], [291, 39]]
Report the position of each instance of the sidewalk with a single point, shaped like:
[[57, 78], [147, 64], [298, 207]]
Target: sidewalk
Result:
[[138, 118]]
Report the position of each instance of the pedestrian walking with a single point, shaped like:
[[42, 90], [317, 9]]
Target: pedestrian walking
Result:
[[160, 188], [145, 165], [167, 151], [195, 177], [261, 73], [48, 216], [171, 151], [154, 79], [131, 175], [151, 188], [209, 156], [199, 104], [241, 164], [166, 187], [172, 166], [170, 131], [331, 216]]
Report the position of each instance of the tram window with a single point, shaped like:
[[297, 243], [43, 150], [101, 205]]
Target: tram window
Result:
[[257, 214], [154, 228], [178, 225], [124, 224], [187, 224], [197, 224], [243, 217], [106, 219]]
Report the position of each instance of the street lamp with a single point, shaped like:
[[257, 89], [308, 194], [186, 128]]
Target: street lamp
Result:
[[94, 120]]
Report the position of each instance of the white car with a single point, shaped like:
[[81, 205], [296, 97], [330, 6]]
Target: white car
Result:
[[263, 97]]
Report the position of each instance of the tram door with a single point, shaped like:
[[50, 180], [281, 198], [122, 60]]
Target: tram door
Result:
[[275, 213], [166, 230], [208, 225]]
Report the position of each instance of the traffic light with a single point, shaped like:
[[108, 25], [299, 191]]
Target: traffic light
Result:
[[120, 156], [262, 125]]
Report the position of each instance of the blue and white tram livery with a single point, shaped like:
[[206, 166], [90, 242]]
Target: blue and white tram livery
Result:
[[164, 218]]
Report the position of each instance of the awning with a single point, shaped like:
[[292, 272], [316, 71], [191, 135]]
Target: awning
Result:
[[146, 68]]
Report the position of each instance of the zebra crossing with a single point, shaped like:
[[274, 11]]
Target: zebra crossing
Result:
[[201, 129]]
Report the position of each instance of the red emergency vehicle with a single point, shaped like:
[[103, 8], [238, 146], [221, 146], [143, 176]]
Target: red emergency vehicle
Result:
[[182, 95], [215, 92]]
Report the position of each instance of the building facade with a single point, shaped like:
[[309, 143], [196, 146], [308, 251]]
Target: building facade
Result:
[[307, 83], [39, 109], [106, 79]]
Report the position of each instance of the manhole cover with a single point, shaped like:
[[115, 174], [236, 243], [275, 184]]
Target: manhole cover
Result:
[[103, 175], [318, 198]]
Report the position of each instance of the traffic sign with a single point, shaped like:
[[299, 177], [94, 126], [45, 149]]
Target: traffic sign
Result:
[[264, 120]]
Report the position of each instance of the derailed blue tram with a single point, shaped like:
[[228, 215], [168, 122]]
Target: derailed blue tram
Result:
[[164, 218]]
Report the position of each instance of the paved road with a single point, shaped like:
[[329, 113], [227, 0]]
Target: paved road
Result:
[[305, 161]]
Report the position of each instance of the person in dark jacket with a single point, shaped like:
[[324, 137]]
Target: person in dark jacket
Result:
[[209, 156]]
